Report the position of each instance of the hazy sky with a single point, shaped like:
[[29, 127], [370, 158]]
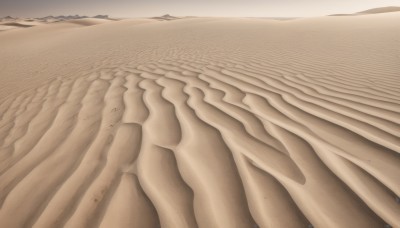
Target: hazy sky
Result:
[[145, 8]]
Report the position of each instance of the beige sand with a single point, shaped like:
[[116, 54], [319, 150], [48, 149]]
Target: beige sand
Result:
[[381, 10], [18, 23], [387, 9], [201, 122]]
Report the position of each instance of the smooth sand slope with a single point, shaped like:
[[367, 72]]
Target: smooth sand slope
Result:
[[202, 122]]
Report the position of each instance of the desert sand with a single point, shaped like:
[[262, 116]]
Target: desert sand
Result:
[[387, 9], [201, 122], [8, 23]]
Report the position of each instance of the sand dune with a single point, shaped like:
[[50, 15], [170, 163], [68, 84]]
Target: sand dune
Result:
[[387, 9], [166, 17], [89, 21], [16, 24], [201, 122], [381, 10], [9, 23]]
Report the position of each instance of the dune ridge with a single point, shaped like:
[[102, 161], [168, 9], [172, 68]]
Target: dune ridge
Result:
[[231, 123], [387, 9]]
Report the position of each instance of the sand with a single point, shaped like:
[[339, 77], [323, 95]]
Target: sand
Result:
[[387, 9], [18, 23], [381, 10], [201, 122]]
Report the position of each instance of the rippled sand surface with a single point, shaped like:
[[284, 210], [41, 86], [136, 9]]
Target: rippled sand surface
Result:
[[201, 122]]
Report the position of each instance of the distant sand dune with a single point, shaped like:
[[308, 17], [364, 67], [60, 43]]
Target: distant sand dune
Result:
[[9, 23], [166, 17], [16, 24], [381, 10], [201, 122], [387, 9], [89, 21]]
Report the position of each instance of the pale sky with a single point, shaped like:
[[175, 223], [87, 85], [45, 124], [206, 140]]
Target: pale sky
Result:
[[147, 8]]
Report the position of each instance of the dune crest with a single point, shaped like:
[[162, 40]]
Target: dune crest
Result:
[[388, 9], [166, 17], [201, 122]]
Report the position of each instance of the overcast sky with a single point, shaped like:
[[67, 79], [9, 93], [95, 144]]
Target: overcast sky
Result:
[[146, 8]]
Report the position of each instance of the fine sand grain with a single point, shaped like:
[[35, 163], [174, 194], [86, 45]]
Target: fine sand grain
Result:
[[201, 122]]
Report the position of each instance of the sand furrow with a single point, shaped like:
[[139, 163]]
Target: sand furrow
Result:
[[392, 140], [130, 207], [121, 155], [174, 204], [383, 124], [252, 125], [162, 125], [55, 134], [68, 196], [312, 210], [216, 203], [363, 150], [356, 154], [391, 115], [135, 108], [59, 158], [38, 122], [268, 200]]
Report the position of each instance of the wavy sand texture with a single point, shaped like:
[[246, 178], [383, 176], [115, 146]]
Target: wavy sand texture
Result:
[[201, 122]]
